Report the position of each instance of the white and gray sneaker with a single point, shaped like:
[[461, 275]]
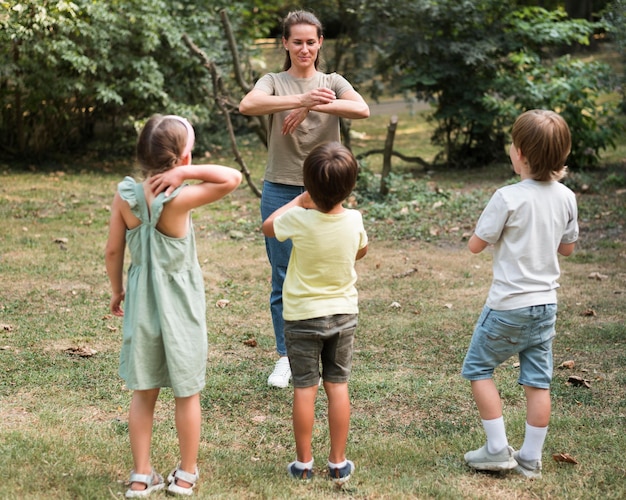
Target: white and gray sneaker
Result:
[[481, 459], [281, 375], [528, 468]]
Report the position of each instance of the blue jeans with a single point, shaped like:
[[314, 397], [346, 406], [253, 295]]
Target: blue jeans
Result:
[[273, 197], [527, 332]]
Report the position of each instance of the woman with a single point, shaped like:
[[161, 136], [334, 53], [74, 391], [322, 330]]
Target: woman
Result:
[[304, 107]]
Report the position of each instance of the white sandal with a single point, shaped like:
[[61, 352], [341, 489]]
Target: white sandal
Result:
[[178, 473], [153, 482]]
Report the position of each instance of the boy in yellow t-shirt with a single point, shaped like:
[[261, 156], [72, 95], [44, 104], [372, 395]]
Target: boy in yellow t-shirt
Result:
[[320, 300]]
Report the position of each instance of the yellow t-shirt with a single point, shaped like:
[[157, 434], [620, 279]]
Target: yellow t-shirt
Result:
[[320, 278]]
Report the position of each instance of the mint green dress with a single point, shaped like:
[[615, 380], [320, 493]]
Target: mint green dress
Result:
[[165, 335]]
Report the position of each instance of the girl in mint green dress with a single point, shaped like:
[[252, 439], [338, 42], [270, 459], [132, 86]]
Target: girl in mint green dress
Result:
[[164, 327]]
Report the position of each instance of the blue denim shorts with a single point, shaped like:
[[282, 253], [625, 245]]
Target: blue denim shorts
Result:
[[527, 332], [329, 339]]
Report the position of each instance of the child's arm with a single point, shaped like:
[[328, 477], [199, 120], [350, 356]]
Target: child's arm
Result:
[[476, 245], [114, 255], [361, 253], [216, 181], [303, 200], [566, 249]]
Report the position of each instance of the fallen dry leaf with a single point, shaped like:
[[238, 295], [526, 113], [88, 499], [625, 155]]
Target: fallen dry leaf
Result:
[[578, 382], [405, 273], [250, 342], [83, 352], [222, 303], [589, 312], [597, 276], [567, 364], [564, 457]]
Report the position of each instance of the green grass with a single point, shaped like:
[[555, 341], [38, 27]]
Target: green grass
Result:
[[63, 418]]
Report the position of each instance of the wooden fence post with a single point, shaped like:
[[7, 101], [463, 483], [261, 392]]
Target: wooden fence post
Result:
[[391, 133]]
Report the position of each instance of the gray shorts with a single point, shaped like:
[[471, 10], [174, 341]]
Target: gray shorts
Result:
[[329, 339]]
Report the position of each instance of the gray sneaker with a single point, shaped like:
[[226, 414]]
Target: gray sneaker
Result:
[[481, 459], [528, 468]]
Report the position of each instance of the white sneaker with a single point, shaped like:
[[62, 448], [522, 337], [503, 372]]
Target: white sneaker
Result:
[[282, 373]]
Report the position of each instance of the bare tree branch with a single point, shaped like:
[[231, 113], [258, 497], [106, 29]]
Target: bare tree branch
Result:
[[221, 99]]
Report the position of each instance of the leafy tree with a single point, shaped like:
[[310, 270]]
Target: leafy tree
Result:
[[615, 17], [462, 56], [76, 71]]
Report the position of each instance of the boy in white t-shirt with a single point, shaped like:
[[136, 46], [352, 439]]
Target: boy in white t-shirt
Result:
[[320, 300], [528, 223]]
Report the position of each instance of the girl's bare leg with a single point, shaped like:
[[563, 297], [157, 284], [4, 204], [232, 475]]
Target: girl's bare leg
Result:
[[140, 420], [188, 425]]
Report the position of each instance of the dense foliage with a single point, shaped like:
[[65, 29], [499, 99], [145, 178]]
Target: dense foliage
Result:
[[77, 72], [481, 63], [82, 75]]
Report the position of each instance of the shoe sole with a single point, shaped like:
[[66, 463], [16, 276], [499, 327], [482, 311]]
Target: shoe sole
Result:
[[494, 466]]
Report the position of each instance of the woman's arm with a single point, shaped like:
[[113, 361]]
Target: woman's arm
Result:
[[350, 105], [257, 102]]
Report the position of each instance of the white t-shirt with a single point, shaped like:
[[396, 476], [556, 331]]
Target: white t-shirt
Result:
[[286, 153], [526, 222], [320, 278]]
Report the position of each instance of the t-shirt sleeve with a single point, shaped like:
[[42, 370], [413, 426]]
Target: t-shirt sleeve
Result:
[[363, 240], [493, 219], [340, 85], [571, 229], [266, 84], [284, 223]]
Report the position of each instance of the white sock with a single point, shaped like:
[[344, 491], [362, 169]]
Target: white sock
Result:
[[337, 466], [496, 435], [304, 465], [533, 442]]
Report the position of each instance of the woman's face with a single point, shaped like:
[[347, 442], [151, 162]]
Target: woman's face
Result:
[[303, 45]]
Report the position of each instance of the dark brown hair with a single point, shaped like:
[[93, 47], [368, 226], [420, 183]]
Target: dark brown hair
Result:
[[160, 145], [330, 172], [544, 139], [300, 17]]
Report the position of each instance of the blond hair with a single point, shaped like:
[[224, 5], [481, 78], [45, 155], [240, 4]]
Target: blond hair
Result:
[[545, 141]]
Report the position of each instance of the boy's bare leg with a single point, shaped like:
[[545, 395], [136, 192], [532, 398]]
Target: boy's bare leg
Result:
[[338, 419], [487, 399], [538, 406], [303, 419], [140, 420], [188, 425]]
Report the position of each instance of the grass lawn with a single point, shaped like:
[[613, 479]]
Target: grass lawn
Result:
[[63, 408]]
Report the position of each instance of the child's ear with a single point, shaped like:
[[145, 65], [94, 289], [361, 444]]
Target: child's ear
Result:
[[185, 160]]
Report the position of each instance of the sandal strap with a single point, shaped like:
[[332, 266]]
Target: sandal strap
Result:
[[147, 479], [141, 478], [186, 476]]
